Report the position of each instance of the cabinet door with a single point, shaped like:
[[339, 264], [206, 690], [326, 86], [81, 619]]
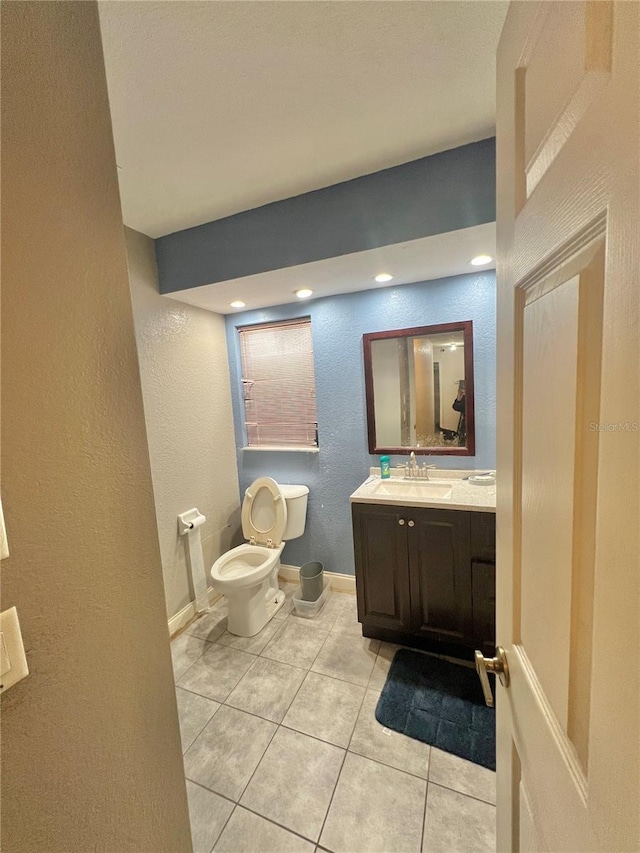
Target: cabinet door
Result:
[[382, 571], [483, 582], [483, 536], [440, 573]]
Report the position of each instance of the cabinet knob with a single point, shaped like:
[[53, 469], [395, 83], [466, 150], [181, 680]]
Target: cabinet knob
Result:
[[412, 524], [401, 521]]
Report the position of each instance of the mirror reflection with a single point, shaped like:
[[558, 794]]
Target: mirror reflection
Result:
[[420, 389]]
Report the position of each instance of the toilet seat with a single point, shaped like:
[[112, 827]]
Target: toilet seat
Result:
[[244, 566], [264, 513]]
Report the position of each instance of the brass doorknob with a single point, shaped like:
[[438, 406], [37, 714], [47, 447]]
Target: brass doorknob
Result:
[[498, 665]]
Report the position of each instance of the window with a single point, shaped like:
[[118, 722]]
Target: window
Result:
[[278, 384]]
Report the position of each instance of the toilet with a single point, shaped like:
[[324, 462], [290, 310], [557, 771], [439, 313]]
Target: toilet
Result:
[[248, 575]]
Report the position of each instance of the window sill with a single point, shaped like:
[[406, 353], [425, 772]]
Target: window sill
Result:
[[277, 449]]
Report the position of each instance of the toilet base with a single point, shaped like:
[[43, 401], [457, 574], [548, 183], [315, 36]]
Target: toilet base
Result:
[[250, 609]]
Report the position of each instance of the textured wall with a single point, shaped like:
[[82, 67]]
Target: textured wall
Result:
[[338, 323], [444, 192], [187, 403], [91, 756]]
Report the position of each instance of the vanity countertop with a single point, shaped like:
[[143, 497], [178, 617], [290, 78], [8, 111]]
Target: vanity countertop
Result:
[[445, 489]]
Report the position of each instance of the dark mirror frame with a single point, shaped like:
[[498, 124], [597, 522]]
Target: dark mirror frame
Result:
[[466, 327]]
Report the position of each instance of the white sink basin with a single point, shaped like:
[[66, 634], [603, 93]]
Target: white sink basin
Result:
[[413, 488]]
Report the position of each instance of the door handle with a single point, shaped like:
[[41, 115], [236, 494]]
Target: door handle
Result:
[[412, 524], [401, 521], [498, 665]]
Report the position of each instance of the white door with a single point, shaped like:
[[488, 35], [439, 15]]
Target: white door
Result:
[[568, 143]]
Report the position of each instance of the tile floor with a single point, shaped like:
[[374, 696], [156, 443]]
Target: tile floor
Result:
[[282, 751]]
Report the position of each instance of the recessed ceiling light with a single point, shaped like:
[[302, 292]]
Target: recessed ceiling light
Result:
[[480, 260], [453, 347], [384, 276], [238, 303], [304, 293]]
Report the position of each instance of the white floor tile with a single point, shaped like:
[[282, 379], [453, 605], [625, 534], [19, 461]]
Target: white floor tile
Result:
[[462, 776], [294, 782], [455, 823], [375, 809]]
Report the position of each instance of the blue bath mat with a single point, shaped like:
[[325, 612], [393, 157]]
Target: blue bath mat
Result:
[[439, 703]]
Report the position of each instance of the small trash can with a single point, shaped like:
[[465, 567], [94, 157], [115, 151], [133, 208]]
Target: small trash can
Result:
[[311, 581]]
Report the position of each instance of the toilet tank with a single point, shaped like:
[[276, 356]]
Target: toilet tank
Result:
[[296, 498]]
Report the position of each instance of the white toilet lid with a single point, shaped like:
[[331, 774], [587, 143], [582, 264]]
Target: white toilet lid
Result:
[[264, 512]]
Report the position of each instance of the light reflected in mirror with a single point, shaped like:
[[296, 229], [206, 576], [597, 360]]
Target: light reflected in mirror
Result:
[[419, 386]]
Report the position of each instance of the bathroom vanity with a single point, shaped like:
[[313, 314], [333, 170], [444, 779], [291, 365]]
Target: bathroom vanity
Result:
[[425, 561]]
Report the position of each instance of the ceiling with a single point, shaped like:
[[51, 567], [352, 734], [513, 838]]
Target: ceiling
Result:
[[417, 260], [219, 107]]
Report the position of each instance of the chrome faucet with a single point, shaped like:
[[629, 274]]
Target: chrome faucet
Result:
[[412, 471]]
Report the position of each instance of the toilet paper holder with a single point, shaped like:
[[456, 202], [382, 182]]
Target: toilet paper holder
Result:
[[190, 520]]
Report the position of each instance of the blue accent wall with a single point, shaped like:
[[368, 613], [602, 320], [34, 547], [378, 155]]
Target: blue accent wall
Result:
[[342, 464], [448, 191]]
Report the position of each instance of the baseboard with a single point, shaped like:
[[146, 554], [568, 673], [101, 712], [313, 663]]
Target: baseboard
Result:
[[183, 617], [339, 582]]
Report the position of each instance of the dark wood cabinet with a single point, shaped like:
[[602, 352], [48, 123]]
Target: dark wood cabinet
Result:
[[426, 577], [483, 597], [439, 577], [383, 590]]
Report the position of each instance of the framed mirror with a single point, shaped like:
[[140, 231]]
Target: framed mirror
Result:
[[419, 387]]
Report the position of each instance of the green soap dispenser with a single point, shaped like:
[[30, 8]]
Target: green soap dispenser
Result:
[[385, 467]]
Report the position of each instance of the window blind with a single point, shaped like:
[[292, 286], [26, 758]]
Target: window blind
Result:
[[278, 384]]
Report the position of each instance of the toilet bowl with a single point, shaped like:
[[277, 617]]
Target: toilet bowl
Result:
[[248, 575]]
